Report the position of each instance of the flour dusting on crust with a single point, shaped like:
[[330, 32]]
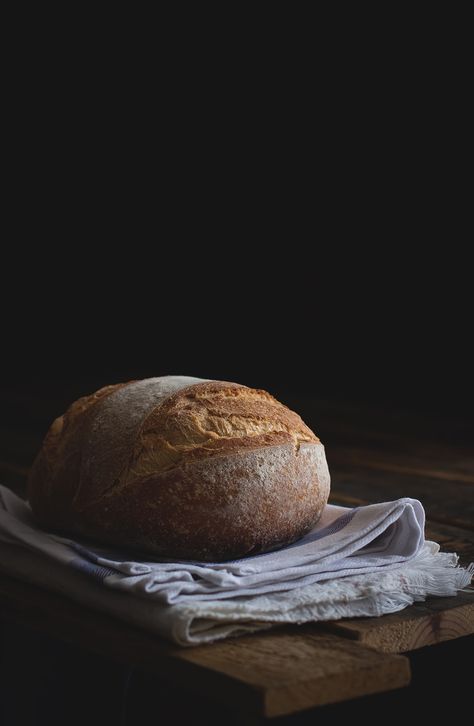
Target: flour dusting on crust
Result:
[[116, 424]]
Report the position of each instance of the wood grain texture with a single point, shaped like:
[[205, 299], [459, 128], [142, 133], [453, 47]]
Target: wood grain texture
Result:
[[449, 465], [452, 539], [423, 624], [443, 502], [268, 674], [295, 669]]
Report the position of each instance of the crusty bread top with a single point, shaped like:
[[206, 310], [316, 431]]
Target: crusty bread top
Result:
[[140, 429], [213, 417]]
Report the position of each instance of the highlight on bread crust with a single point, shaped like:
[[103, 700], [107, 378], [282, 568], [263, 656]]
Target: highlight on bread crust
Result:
[[181, 467]]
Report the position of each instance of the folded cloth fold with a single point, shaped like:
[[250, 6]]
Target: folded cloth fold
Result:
[[363, 561]]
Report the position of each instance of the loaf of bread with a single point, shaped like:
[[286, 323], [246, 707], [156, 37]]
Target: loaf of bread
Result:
[[182, 468]]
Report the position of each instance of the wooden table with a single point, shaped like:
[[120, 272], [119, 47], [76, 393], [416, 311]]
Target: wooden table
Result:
[[374, 455]]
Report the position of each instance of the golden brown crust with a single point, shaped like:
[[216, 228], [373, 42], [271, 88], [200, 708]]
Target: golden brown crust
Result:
[[225, 508], [210, 470], [211, 418]]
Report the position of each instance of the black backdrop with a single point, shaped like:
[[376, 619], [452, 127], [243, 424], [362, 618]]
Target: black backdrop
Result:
[[328, 320], [308, 237]]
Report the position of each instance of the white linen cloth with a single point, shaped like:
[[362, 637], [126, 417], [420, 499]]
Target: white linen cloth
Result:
[[364, 561]]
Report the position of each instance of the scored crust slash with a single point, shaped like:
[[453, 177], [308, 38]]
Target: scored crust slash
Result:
[[181, 467]]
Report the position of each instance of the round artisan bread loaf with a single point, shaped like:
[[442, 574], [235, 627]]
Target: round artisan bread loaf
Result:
[[181, 467]]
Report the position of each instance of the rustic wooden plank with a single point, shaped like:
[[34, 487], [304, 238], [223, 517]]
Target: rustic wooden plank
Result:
[[273, 673], [295, 669], [434, 621], [452, 539], [359, 484], [423, 624], [434, 462], [392, 442]]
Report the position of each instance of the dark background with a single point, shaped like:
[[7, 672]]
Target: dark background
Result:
[[292, 212], [304, 316], [299, 227], [303, 231]]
